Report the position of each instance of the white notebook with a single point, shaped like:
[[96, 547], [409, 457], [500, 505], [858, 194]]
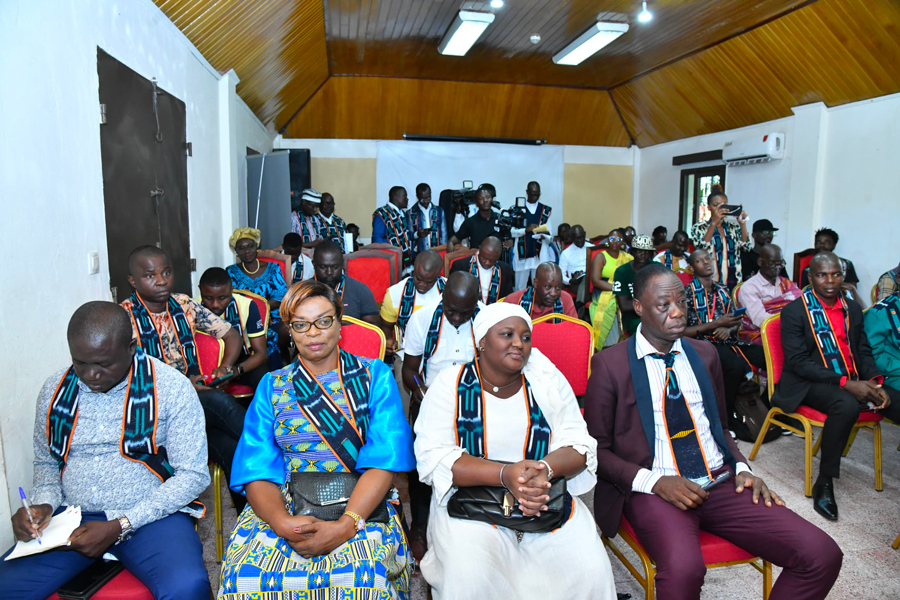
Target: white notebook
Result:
[[56, 534]]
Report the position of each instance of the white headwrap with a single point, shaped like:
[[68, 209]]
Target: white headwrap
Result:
[[312, 196], [492, 314]]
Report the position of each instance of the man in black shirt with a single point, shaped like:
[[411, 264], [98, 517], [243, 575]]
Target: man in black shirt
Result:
[[763, 232], [479, 226]]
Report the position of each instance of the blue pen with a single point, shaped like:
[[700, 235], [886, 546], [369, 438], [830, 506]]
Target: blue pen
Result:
[[28, 512]]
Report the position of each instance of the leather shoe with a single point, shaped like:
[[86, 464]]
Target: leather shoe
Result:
[[418, 541], [823, 501]]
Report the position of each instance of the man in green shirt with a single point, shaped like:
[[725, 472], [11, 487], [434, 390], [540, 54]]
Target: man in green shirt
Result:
[[882, 325], [643, 250]]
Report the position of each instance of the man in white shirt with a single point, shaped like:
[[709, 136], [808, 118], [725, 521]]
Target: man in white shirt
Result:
[[573, 260], [531, 249], [438, 336], [669, 388], [301, 266], [495, 277]]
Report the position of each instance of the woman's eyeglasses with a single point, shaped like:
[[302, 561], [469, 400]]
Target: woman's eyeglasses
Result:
[[614, 239], [304, 326]]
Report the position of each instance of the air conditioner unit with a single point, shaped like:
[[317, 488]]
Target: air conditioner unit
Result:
[[754, 150]]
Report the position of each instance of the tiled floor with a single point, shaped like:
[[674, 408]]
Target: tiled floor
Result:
[[869, 522]]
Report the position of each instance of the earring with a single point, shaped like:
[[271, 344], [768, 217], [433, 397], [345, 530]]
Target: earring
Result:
[[292, 344]]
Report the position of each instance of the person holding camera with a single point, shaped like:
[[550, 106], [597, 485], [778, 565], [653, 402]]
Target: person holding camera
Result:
[[723, 239], [531, 249], [479, 226]]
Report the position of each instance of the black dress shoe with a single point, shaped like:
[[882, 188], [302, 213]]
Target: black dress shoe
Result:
[[823, 501]]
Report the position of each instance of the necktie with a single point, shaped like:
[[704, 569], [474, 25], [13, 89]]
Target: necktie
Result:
[[680, 427]]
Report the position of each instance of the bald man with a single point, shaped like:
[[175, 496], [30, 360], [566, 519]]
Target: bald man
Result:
[[495, 277], [830, 368], [135, 504], [438, 336], [546, 295], [404, 298], [767, 292]]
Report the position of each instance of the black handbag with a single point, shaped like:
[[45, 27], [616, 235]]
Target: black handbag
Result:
[[496, 505], [325, 496]]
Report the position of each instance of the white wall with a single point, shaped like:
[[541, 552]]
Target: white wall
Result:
[[52, 188]]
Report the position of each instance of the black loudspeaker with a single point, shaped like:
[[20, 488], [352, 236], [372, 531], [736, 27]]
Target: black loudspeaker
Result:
[[301, 174]]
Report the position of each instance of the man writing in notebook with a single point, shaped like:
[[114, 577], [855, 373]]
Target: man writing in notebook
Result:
[[134, 478]]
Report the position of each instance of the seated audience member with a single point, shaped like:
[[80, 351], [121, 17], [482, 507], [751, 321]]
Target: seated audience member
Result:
[[830, 368], [628, 234], [305, 222], [330, 226], [407, 296], [825, 241], [494, 276], [710, 317], [112, 468], [668, 388], [241, 312], [882, 326], [439, 336], [546, 295], [362, 553], [623, 280], [766, 293], [481, 225], [426, 221], [561, 241], [724, 238], [573, 261], [390, 225], [763, 233], [353, 229], [675, 256], [531, 249], [603, 307], [888, 284], [474, 559], [262, 278], [301, 265], [660, 236], [357, 298]]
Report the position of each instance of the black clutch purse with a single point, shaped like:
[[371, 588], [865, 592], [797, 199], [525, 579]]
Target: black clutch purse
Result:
[[497, 506], [325, 496]]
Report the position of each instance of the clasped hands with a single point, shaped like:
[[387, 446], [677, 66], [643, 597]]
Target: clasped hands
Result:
[[527, 481], [311, 537], [868, 391], [685, 494]]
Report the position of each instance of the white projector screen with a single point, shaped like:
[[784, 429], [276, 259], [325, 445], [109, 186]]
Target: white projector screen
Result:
[[445, 165]]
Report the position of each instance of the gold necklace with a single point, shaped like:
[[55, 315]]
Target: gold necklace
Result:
[[248, 271]]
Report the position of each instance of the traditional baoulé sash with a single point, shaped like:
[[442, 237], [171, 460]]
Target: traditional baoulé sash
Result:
[[527, 302], [233, 316], [470, 428], [493, 292], [345, 434], [523, 243], [307, 229], [339, 288], [148, 336], [396, 229], [827, 342], [725, 254], [138, 442], [408, 300], [434, 237], [706, 311], [668, 259], [433, 337], [891, 305], [333, 231], [298, 270]]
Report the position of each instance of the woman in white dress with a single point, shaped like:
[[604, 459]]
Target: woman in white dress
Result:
[[526, 409]]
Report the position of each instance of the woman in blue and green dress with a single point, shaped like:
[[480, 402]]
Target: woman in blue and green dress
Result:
[[327, 412]]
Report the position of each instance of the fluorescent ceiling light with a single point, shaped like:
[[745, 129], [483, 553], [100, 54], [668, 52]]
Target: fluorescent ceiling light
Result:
[[465, 31], [496, 3], [590, 42]]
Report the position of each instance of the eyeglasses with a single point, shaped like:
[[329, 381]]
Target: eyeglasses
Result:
[[321, 324], [614, 239]]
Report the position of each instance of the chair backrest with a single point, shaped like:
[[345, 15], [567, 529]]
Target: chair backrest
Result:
[[771, 341], [209, 352], [801, 261], [569, 345], [395, 253], [282, 264], [451, 257], [734, 295], [685, 278], [261, 304], [374, 268], [362, 339], [874, 293], [589, 265], [442, 250]]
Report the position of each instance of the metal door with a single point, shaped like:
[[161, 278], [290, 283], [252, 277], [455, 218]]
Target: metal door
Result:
[[144, 162]]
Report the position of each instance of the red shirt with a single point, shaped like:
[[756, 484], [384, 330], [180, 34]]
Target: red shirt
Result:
[[539, 311], [835, 316]]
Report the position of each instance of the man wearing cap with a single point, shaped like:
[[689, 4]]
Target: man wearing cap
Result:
[[763, 232], [304, 222], [390, 225], [643, 250]]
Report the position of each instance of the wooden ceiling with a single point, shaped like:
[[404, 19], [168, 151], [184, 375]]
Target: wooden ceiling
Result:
[[371, 69]]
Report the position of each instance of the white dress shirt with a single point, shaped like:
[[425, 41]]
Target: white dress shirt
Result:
[[391, 306], [484, 280], [455, 346], [544, 254], [572, 260], [663, 459]]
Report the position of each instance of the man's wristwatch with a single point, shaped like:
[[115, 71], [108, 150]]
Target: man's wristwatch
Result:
[[127, 531]]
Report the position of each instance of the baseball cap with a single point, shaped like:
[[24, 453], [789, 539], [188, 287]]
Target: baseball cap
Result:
[[764, 225]]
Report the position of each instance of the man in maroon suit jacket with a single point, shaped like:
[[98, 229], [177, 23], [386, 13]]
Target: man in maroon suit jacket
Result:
[[639, 473]]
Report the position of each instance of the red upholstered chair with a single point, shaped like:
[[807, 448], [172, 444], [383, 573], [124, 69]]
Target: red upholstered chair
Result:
[[452, 257], [239, 390], [123, 586], [716, 553], [362, 339], [375, 268], [734, 295], [394, 252], [282, 264], [685, 278], [808, 417], [801, 261], [569, 345]]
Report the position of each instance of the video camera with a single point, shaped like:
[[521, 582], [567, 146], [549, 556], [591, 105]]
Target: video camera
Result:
[[513, 217]]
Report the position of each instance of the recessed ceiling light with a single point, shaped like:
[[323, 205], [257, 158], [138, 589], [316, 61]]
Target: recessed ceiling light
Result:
[[465, 31], [645, 15], [496, 3], [535, 38], [590, 42]]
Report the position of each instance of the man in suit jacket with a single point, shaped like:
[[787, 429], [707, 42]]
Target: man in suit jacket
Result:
[[656, 406], [830, 369], [494, 276]]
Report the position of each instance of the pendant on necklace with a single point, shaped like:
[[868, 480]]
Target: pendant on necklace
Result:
[[496, 389]]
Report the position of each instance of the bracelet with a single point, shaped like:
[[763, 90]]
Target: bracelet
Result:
[[358, 521], [501, 477], [549, 469]]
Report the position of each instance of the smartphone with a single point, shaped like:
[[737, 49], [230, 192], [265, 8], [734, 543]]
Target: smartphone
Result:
[[88, 582], [722, 478], [218, 380], [739, 312], [733, 210]]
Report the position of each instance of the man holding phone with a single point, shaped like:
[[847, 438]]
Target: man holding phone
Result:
[[426, 221], [724, 239], [711, 316]]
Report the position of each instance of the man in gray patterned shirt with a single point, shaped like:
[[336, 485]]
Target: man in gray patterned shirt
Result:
[[135, 484]]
